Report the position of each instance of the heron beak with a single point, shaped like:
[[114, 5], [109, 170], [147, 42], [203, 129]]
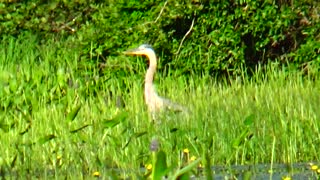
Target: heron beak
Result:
[[132, 51]]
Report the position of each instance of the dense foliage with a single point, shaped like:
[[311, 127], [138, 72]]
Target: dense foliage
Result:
[[224, 36], [72, 105]]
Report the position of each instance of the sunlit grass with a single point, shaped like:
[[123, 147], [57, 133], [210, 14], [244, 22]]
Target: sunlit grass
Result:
[[42, 85]]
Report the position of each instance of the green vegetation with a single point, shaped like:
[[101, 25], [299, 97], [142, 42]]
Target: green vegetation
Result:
[[71, 105], [223, 37], [64, 116]]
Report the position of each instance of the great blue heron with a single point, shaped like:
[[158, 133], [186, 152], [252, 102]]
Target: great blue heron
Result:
[[154, 102]]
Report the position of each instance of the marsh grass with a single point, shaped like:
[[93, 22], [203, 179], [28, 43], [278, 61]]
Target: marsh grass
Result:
[[64, 116]]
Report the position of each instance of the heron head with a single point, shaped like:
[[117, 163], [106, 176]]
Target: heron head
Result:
[[144, 49]]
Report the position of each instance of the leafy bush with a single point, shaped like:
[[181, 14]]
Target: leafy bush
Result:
[[224, 36]]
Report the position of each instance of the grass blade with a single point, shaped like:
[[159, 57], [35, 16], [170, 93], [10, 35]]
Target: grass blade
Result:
[[73, 114]]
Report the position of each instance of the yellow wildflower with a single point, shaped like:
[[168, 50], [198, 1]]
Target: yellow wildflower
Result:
[[148, 167], [96, 174], [286, 178], [314, 167], [193, 158], [186, 150]]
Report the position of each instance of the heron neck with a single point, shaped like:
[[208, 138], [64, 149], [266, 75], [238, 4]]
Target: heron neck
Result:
[[152, 69]]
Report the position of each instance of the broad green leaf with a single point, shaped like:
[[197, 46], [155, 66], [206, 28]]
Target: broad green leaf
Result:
[[6, 127], [160, 165], [46, 138], [240, 140], [120, 117], [249, 120], [72, 115]]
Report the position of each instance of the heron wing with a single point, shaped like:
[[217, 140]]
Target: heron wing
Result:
[[172, 106]]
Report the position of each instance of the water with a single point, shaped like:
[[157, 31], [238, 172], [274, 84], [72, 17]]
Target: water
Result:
[[299, 171]]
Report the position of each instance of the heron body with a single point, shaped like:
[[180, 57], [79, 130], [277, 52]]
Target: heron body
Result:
[[154, 102]]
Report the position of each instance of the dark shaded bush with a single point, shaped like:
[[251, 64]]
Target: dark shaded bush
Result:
[[217, 37]]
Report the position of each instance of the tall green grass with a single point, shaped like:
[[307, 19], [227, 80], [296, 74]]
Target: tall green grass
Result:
[[70, 116]]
